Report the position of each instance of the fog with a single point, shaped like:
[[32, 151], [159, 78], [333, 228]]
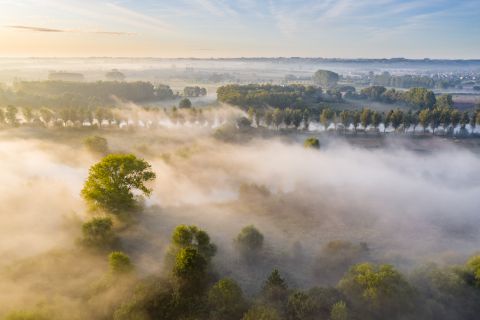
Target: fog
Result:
[[410, 202]]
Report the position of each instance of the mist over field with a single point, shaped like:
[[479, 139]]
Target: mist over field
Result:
[[239, 160]]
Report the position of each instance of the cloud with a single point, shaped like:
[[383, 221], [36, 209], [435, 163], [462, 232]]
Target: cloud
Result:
[[54, 30]]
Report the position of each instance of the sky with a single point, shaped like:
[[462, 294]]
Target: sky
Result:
[[241, 28]]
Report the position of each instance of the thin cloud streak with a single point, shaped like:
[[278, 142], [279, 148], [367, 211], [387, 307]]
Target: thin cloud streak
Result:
[[51, 30]]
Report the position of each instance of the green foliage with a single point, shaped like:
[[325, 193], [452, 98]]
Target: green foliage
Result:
[[152, 299], [185, 104], [473, 265], [98, 232], [325, 78], [111, 182], [226, 301], [27, 315], [326, 117], [256, 95], [190, 264], [194, 91], [301, 306], [366, 117], [336, 257], [379, 290], [249, 242], [311, 143], [339, 311], [192, 237], [416, 97], [403, 81], [261, 312], [275, 290], [119, 262], [11, 116], [444, 101], [96, 144], [74, 94]]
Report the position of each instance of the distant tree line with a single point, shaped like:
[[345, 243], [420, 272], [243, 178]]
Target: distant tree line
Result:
[[412, 81], [193, 92], [258, 95], [58, 94], [417, 98]]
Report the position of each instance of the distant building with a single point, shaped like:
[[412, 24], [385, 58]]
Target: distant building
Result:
[[65, 76]]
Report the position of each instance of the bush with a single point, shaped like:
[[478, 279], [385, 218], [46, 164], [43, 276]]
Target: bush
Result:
[[97, 144], [98, 232], [312, 143], [119, 262], [249, 242]]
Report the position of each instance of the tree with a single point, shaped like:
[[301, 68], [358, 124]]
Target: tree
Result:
[[415, 120], [226, 300], [339, 311], [274, 290], [326, 117], [277, 117], [297, 118], [380, 291], [445, 117], [191, 237], [464, 121], [388, 120], [111, 182], [376, 119], [356, 120], [27, 114], [311, 143], [397, 118], [435, 118], [96, 144], [366, 118], [185, 103], [345, 119], [306, 119], [473, 265], [261, 312], [325, 78], [301, 307], [424, 119], [455, 117], [288, 117], [98, 232], [407, 121], [119, 262], [251, 114], [11, 116], [47, 115], [444, 101], [190, 270], [268, 117], [249, 242]]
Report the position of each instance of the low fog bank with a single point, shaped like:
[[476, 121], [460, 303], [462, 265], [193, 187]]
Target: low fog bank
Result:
[[406, 207]]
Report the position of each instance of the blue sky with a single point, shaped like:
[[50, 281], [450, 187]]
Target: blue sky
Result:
[[227, 28]]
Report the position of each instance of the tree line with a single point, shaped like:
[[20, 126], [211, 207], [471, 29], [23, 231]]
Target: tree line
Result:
[[367, 119], [60, 94]]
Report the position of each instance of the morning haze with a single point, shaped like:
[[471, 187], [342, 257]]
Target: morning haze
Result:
[[239, 160]]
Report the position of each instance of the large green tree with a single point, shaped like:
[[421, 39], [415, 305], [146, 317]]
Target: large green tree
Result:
[[111, 183]]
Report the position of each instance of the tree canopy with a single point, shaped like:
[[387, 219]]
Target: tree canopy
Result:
[[112, 181]]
